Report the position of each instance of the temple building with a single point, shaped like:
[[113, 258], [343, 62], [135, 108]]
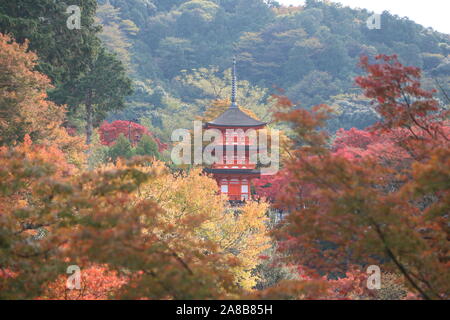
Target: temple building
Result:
[[234, 171]]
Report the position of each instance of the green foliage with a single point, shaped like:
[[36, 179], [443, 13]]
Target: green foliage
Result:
[[314, 88], [108, 82], [63, 53], [147, 147], [85, 76], [352, 111], [115, 32], [121, 149], [211, 84], [101, 90], [310, 51]]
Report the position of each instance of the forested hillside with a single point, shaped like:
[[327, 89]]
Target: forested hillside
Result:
[[176, 50], [84, 76]]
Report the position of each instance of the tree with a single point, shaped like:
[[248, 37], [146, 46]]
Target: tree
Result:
[[366, 210], [120, 149], [102, 89], [83, 73], [352, 111], [176, 54], [113, 32], [310, 51], [64, 54], [214, 86], [239, 234], [24, 106], [218, 107], [315, 87], [97, 283], [107, 222], [270, 186], [109, 132], [52, 219], [195, 16], [147, 147]]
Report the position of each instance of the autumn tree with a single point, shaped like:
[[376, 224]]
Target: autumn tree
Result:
[[97, 282], [370, 209], [87, 79], [218, 107], [24, 106], [109, 132], [239, 234], [51, 219], [132, 223]]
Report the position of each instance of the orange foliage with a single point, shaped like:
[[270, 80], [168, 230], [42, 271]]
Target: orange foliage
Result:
[[51, 220], [378, 197], [97, 283], [23, 99]]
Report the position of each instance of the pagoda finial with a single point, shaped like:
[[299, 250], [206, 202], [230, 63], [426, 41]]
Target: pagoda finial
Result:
[[233, 86]]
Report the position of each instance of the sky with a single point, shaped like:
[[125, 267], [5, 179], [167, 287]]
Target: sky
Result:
[[429, 13]]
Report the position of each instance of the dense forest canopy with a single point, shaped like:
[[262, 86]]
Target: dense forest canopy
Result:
[[178, 52], [311, 51]]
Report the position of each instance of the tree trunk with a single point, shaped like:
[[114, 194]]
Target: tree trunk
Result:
[[89, 117]]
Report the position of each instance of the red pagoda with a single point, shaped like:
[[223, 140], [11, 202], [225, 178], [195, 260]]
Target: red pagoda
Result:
[[234, 171]]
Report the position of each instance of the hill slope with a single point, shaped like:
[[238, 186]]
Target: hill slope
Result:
[[312, 52]]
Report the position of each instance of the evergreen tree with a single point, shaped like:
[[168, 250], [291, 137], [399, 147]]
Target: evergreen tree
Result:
[[101, 90], [63, 53], [121, 149], [147, 147], [87, 79]]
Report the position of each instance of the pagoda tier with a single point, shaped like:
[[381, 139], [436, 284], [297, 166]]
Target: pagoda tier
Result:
[[235, 183]]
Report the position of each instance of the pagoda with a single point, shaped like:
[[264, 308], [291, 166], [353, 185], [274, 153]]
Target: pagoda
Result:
[[233, 171]]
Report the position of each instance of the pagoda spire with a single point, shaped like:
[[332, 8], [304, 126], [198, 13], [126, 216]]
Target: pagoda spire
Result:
[[233, 86]]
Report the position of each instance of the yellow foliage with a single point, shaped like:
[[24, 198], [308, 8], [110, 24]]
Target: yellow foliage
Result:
[[73, 147], [239, 234]]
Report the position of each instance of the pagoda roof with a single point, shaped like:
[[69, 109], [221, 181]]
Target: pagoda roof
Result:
[[235, 117]]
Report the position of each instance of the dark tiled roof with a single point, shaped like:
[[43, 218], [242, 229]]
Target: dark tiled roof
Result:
[[235, 117]]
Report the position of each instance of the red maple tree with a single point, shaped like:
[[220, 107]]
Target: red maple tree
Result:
[[109, 132], [379, 196]]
